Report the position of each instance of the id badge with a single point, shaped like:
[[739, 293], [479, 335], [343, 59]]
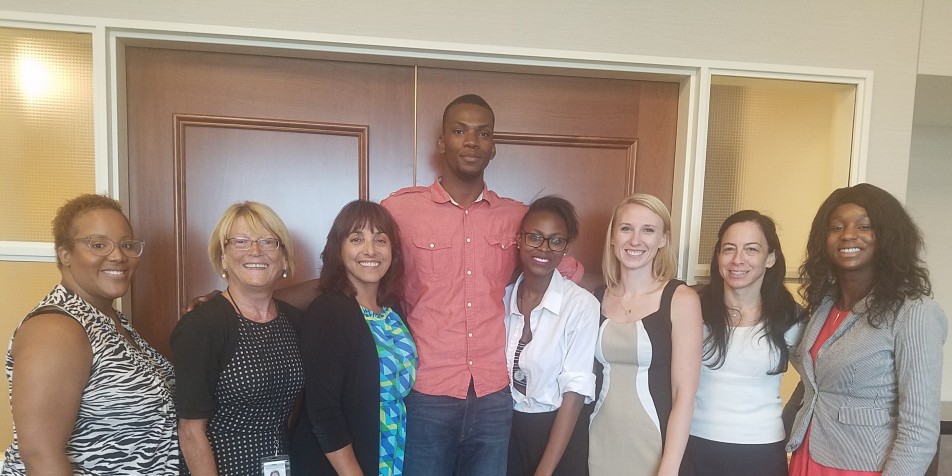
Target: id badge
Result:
[[277, 465]]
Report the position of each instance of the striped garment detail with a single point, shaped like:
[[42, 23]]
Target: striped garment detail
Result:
[[126, 422]]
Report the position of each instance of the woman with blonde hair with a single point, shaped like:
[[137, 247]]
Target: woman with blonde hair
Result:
[[237, 358], [649, 347]]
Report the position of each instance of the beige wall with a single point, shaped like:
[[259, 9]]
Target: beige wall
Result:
[[930, 193], [24, 284], [935, 54]]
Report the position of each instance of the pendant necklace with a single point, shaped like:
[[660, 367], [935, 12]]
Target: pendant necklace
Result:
[[839, 315]]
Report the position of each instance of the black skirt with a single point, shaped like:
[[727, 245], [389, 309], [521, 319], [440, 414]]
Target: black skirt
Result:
[[529, 436], [713, 458]]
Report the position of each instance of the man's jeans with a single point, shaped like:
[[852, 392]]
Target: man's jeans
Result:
[[449, 436]]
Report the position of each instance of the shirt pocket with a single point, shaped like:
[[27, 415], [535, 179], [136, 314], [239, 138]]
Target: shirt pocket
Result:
[[500, 257], [434, 256], [863, 416]]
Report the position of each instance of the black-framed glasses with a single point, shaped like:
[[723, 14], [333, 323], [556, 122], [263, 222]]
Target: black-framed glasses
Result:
[[244, 244], [535, 240], [101, 246]]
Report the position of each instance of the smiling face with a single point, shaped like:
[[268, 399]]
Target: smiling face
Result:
[[98, 279], [541, 261], [637, 235], [467, 141], [254, 267], [367, 256], [850, 239], [743, 257]]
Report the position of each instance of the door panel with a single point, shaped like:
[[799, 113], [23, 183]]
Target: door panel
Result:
[[306, 136], [209, 129], [218, 155]]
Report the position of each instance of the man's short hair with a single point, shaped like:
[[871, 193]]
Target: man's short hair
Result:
[[474, 99]]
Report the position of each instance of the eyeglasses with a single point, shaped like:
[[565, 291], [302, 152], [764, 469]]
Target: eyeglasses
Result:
[[244, 244], [535, 240], [102, 246]]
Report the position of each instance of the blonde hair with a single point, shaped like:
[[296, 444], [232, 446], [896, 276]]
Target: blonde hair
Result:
[[664, 266], [261, 219]]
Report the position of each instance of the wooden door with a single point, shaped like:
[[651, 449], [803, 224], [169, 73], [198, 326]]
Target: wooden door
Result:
[[306, 136], [206, 130]]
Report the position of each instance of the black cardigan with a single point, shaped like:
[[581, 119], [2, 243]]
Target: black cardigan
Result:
[[203, 343], [342, 387]]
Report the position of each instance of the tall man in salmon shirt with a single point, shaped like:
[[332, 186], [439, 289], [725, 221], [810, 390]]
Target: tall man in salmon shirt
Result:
[[459, 247]]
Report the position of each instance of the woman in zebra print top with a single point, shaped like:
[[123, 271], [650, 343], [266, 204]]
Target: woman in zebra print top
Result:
[[90, 396]]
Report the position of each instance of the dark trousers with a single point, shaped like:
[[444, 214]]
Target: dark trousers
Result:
[[462, 437]]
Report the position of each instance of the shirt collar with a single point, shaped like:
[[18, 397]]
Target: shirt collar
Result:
[[440, 195], [551, 300]]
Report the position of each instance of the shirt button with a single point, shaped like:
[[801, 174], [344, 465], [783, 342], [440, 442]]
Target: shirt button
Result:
[[470, 334], [466, 212], [470, 362], [432, 245], [469, 273], [469, 304], [469, 240]]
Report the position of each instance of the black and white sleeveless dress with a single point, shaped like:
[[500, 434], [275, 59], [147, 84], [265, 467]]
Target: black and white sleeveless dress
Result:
[[630, 420], [126, 422]]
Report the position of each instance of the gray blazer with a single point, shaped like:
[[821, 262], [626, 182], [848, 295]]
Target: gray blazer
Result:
[[873, 395]]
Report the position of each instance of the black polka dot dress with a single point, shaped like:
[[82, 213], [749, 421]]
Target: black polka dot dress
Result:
[[255, 394]]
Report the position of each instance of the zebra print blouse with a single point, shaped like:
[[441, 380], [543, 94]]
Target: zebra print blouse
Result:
[[126, 422]]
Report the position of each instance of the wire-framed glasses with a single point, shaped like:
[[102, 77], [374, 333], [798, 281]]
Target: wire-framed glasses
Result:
[[244, 244], [535, 240], [101, 246]]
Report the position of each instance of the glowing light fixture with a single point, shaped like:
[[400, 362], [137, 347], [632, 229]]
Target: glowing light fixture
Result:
[[35, 77]]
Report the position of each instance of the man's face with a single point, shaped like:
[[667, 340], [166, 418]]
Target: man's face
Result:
[[467, 141]]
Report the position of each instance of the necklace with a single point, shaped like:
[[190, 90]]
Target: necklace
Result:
[[839, 315], [736, 316], [621, 303], [238, 309]]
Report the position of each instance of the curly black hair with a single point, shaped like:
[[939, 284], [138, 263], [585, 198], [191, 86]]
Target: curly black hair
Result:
[[778, 308], [900, 272]]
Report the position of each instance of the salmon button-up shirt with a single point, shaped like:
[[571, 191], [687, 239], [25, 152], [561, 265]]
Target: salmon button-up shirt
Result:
[[458, 261]]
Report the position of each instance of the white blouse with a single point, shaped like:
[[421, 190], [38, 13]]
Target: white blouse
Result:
[[739, 402], [560, 356]]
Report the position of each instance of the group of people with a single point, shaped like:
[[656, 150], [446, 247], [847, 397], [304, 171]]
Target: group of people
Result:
[[416, 352]]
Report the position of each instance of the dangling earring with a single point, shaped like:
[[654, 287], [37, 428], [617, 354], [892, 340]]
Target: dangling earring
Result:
[[285, 274], [224, 273]]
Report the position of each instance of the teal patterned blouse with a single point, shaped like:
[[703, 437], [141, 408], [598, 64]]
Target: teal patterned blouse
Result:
[[398, 363]]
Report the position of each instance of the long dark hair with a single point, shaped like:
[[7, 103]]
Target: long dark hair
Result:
[[357, 215], [779, 310], [900, 272]]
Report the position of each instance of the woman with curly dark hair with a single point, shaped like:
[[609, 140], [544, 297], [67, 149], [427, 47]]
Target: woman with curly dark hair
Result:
[[871, 356], [359, 358], [750, 321]]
